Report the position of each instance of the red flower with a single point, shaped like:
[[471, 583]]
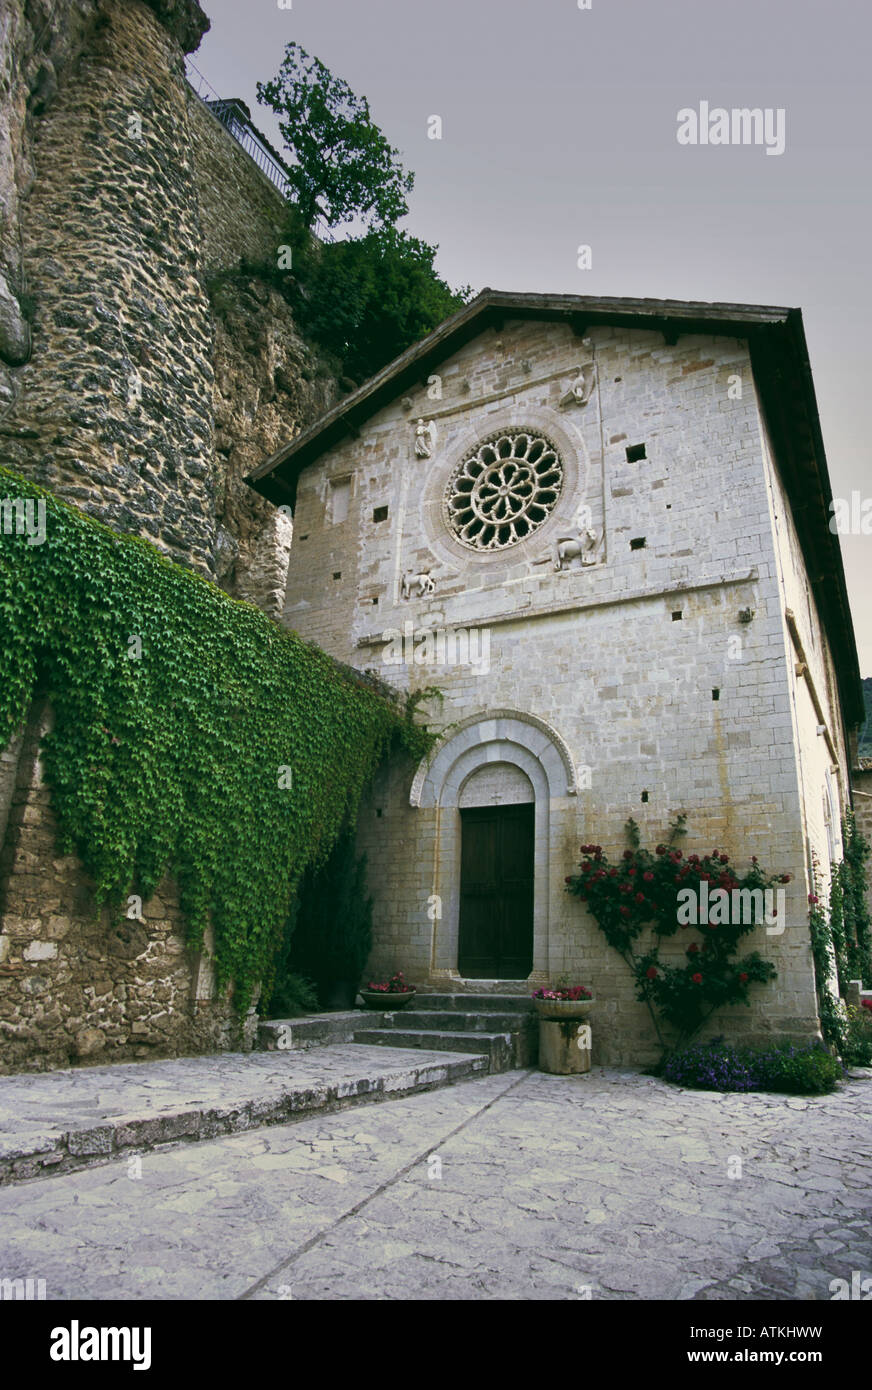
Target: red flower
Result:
[[811, 898], [651, 972], [743, 978], [640, 897], [648, 876], [567, 880], [692, 948], [697, 979], [625, 912], [785, 878], [613, 873], [867, 1003]]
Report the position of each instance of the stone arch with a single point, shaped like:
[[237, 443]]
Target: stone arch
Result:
[[485, 731], [525, 743]]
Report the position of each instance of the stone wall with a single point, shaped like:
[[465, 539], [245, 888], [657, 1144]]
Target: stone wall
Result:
[[76, 984], [139, 384], [241, 211], [122, 200], [637, 668]]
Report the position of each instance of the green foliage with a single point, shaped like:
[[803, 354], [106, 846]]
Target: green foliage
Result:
[[291, 996], [864, 742], [857, 1045], [720, 1066], [331, 937], [370, 298], [851, 875], [341, 165], [641, 892], [193, 735]]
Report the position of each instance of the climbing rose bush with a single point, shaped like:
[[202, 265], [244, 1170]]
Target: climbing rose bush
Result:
[[641, 892]]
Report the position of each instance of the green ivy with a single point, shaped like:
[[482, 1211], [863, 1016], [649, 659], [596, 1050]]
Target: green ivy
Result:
[[853, 883], [193, 735]]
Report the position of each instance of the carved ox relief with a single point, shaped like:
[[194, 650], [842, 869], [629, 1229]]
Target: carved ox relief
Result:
[[417, 585]]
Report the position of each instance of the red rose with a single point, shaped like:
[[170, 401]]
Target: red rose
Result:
[[697, 979], [811, 898], [692, 948], [651, 972], [743, 979], [567, 880], [640, 897], [785, 878], [648, 877], [625, 912]]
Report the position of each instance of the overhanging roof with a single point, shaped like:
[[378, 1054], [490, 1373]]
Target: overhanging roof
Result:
[[782, 372]]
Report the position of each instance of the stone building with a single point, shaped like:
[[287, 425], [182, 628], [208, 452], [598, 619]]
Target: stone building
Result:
[[600, 528]]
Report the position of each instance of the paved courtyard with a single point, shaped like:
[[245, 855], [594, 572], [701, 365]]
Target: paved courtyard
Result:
[[520, 1186]]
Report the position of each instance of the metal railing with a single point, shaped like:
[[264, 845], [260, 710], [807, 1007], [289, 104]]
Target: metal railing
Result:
[[237, 124]]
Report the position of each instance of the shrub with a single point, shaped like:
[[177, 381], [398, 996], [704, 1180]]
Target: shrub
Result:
[[331, 936], [720, 1066], [292, 995], [645, 891], [857, 1046]]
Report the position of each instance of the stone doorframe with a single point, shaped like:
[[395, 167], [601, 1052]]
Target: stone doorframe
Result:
[[500, 736]]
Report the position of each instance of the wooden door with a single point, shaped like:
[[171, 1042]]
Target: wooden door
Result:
[[496, 893]]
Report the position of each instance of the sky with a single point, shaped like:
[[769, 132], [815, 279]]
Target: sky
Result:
[[559, 129]]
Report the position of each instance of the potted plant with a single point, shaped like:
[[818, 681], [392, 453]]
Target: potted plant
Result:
[[563, 1001], [388, 994]]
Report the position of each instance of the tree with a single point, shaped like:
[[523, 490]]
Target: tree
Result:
[[342, 164], [370, 298]]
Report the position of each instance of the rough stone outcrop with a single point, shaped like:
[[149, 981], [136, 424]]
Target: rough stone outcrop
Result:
[[268, 385]]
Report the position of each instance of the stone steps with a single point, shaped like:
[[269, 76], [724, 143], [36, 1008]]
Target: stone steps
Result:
[[443, 1020], [503, 1027], [499, 1048], [60, 1121]]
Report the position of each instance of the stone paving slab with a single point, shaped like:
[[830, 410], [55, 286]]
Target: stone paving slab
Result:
[[609, 1186], [55, 1121]]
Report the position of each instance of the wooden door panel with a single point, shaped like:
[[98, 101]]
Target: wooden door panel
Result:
[[496, 892]]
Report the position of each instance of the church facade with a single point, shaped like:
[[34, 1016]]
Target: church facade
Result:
[[599, 528]]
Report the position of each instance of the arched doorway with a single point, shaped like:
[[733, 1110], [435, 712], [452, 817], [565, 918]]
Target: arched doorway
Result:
[[499, 760], [497, 829]]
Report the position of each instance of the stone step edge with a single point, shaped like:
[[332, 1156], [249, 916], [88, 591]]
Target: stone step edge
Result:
[[101, 1144]]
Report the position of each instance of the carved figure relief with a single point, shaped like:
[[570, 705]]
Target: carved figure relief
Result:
[[580, 391], [583, 545], [425, 439], [417, 585]]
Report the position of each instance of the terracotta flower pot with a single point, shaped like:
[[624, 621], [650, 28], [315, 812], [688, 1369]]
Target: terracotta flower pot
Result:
[[563, 1008], [385, 999]]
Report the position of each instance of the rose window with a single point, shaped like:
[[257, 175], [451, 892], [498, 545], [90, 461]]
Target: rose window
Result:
[[504, 491]]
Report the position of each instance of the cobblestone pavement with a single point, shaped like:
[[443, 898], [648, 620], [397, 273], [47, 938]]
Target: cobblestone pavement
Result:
[[520, 1186]]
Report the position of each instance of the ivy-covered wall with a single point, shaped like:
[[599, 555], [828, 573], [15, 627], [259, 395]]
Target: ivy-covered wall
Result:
[[196, 758]]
